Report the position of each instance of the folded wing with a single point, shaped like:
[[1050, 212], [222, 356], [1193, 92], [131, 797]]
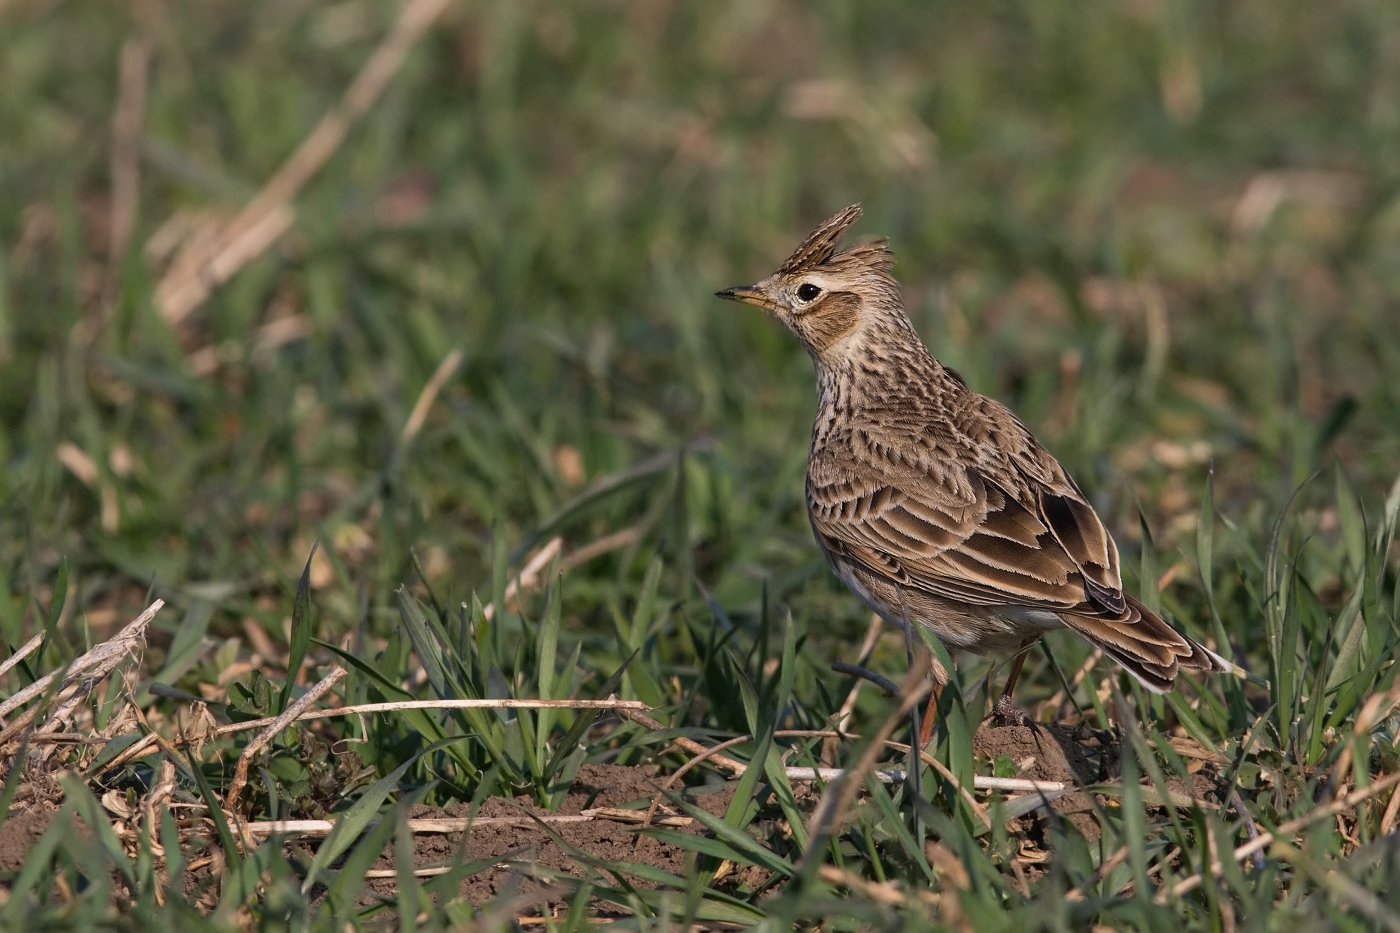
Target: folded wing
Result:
[[1034, 545]]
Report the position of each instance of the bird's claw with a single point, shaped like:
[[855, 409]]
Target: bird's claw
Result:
[[1006, 713]]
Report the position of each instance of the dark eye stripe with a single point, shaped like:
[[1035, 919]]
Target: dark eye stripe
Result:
[[807, 291]]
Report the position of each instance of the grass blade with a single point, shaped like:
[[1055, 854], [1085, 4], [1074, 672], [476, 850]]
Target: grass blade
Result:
[[301, 630], [425, 645]]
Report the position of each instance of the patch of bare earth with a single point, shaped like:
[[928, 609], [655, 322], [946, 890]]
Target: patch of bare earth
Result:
[[524, 846], [1080, 757], [1047, 753], [22, 831]]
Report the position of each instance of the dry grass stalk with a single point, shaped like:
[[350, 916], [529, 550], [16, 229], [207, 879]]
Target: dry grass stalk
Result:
[[1346, 802], [125, 177], [831, 812], [872, 634], [603, 545], [680, 772], [312, 828], [424, 871], [200, 268], [827, 775], [80, 676], [84, 468], [398, 705], [240, 774], [948, 776], [951, 874], [737, 768], [1376, 710], [24, 652], [439, 378], [529, 577], [980, 782], [138, 748], [127, 120], [887, 892], [1392, 810]]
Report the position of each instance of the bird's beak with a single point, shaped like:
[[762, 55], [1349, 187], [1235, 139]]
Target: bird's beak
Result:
[[748, 294]]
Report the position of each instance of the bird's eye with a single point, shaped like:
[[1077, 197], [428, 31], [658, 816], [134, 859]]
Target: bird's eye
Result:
[[807, 291]]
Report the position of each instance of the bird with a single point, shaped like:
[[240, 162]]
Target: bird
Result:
[[935, 504]]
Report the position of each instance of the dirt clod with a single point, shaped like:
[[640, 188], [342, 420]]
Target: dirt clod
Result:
[[605, 840], [1046, 753], [22, 831]]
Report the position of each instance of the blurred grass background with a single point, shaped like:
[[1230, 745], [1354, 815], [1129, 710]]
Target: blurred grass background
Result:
[[1166, 232]]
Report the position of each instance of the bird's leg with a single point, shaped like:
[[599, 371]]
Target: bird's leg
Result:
[[930, 713], [1004, 711], [940, 678]]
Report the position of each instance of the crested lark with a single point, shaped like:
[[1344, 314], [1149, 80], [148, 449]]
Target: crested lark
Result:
[[934, 503]]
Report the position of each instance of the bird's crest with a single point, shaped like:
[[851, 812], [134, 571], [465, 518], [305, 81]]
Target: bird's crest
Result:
[[820, 244], [819, 249]]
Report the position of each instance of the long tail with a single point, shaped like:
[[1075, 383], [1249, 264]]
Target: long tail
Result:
[[1150, 649]]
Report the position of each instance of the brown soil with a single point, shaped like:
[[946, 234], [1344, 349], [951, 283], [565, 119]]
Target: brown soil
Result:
[[1047, 753], [607, 840], [21, 832], [1051, 752]]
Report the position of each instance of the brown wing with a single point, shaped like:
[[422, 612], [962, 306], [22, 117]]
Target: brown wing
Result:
[[1149, 648], [977, 543], [972, 541]]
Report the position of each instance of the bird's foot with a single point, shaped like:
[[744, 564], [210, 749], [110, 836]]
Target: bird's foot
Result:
[[1006, 713]]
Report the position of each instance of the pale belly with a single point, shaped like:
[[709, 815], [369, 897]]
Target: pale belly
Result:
[[1000, 629]]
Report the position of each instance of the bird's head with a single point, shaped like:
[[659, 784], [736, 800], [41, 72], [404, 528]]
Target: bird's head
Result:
[[830, 300]]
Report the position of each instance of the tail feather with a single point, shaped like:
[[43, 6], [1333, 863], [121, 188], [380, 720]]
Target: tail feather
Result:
[[1147, 647]]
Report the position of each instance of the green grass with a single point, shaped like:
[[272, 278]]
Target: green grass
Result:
[[1166, 233]]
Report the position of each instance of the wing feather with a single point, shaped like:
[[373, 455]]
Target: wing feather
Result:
[[984, 553], [992, 550]]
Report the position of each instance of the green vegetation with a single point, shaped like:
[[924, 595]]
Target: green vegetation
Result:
[[1166, 232]]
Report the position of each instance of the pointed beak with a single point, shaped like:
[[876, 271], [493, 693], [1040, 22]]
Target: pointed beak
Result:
[[748, 294]]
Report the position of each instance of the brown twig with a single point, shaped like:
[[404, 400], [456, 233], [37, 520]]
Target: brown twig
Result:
[[887, 892], [398, 705], [872, 635], [680, 772], [127, 120], [860, 673], [963, 792], [1392, 810], [885, 776], [618, 539], [139, 747], [422, 871], [529, 577]]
